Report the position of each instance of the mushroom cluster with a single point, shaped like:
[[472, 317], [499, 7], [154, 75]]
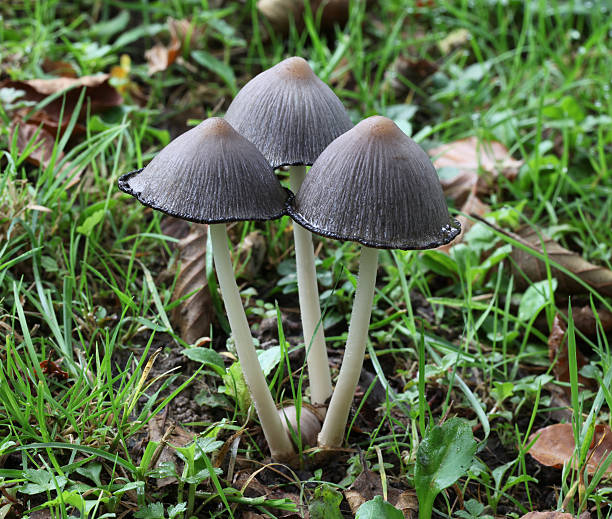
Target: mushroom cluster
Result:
[[369, 183]]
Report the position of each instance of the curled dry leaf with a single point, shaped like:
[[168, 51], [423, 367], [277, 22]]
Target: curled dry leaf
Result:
[[547, 515], [558, 354], [555, 446], [99, 94], [160, 57], [598, 277], [585, 321], [193, 316], [477, 164]]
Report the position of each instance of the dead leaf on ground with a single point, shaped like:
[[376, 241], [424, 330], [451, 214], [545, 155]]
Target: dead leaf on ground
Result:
[[99, 94], [555, 446], [37, 140], [405, 69], [596, 276], [585, 321], [160, 429], [473, 205], [559, 355], [473, 163], [58, 68], [51, 368], [193, 316], [160, 56], [368, 485]]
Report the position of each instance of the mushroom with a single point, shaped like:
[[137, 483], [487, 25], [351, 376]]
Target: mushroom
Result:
[[291, 116], [211, 174], [376, 186]]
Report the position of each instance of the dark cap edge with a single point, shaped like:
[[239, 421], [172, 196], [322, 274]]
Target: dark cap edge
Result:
[[125, 187]]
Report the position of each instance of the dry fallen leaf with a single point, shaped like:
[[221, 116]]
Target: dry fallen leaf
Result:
[[558, 354], [596, 276], [555, 446], [99, 94], [193, 316], [36, 139], [160, 57], [584, 320], [478, 163], [159, 430], [368, 485]]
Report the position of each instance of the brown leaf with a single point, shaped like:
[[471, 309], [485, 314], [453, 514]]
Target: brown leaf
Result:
[[555, 446], [584, 320], [38, 140], [478, 164], [193, 316], [51, 369], [160, 57], [368, 485], [559, 355], [598, 277], [58, 68], [162, 430], [99, 94], [472, 205]]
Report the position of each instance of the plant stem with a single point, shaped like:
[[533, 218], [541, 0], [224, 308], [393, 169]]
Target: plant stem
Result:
[[314, 339], [276, 436], [332, 431]]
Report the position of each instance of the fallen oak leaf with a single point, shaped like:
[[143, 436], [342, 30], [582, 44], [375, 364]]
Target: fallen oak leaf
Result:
[[468, 163], [555, 445]]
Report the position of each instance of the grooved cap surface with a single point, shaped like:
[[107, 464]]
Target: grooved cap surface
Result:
[[376, 186], [209, 174], [288, 113]]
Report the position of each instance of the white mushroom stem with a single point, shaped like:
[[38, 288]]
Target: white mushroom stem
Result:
[[308, 292], [332, 432], [278, 440]]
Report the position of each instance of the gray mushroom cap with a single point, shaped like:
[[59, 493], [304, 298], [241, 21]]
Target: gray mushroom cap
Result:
[[288, 113], [209, 174], [376, 186]]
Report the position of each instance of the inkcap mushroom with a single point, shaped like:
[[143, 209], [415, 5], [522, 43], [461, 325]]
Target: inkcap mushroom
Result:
[[376, 186], [291, 116], [211, 174]]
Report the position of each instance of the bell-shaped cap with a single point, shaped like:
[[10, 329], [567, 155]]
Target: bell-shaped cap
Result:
[[288, 113], [209, 174], [376, 186]]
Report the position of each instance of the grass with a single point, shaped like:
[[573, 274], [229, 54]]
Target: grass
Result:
[[451, 335]]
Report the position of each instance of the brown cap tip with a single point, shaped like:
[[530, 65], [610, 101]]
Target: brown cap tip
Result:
[[288, 113]]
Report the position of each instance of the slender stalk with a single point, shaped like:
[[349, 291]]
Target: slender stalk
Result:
[[314, 339], [276, 436], [332, 431]]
